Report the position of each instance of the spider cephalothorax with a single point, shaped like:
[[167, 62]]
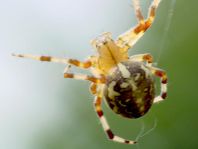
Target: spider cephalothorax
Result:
[[125, 82]]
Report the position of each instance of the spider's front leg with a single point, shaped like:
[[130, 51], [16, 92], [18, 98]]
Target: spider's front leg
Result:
[[69, 62], [74, 62], [105, 125], [129, 38]]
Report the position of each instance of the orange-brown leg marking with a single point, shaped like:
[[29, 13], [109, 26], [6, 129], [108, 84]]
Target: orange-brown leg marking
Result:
[[105, 125], [77, 63], [74, 62], [93, 88], [142, 57]]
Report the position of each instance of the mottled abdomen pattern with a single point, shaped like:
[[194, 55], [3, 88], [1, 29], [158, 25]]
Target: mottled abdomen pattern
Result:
[[129, 90]]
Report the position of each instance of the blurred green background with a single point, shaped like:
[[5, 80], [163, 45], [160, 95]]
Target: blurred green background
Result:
[[39, 109]]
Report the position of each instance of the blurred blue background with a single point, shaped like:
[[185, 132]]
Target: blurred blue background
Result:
[[39, 109]]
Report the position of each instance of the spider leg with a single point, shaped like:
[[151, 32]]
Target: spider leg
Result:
[[93, 88], [163, 76], [74, 62], [138, 12], [142, 57], [105, 125], [129, 38], [85, 77]]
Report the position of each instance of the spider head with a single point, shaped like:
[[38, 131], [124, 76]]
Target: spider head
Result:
[[101, 40]]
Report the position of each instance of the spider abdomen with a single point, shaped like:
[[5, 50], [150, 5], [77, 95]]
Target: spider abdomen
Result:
[[129, 90]]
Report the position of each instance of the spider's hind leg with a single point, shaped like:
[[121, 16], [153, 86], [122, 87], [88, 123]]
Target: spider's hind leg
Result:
[[105, 125], [162, 74]]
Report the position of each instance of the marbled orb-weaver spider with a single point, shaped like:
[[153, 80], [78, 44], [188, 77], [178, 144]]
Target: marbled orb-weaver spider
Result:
[[126, 82]]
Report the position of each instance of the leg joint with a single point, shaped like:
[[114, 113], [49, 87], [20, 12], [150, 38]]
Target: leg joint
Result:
[[110, 134]]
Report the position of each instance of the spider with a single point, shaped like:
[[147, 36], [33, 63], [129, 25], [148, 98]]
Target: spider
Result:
[[126, 83]]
